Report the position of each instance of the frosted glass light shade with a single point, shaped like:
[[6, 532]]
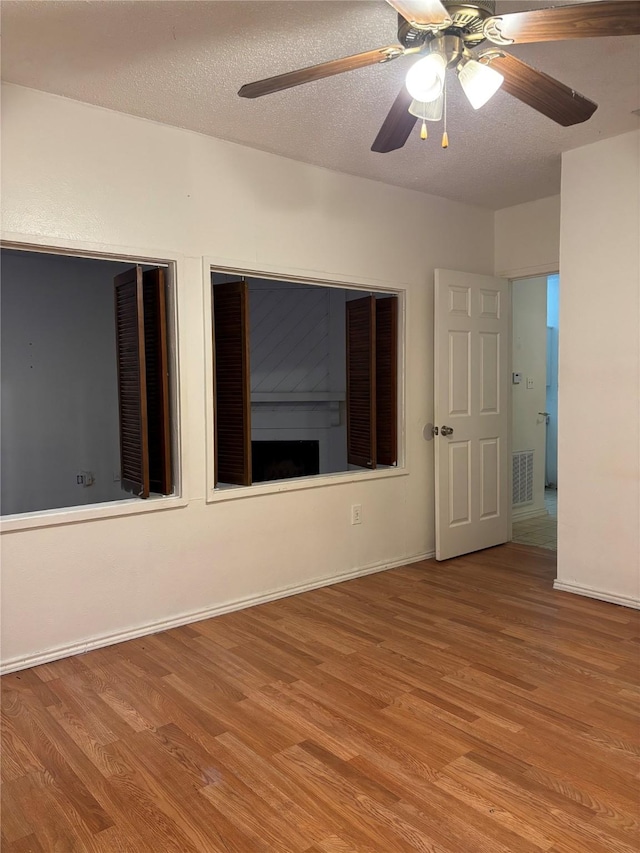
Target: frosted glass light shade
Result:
[[479, 82], [431, 110], [425, 79]]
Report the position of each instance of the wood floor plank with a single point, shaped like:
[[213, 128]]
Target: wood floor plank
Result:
[[53, 831], [17, 757], [255, 818], [53, 754], [276, 789], [486, 806], [27, 844], [159, 795], [560, 820], [457, 707], [266, 731], [368, 820], [14, 820]]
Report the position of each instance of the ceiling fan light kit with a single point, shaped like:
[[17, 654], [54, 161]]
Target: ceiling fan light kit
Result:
[[428, 111], [479, 82], [425, 78], [447, 34]]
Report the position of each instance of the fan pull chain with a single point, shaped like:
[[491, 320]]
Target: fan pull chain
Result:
[[423, 132], [445, 135]]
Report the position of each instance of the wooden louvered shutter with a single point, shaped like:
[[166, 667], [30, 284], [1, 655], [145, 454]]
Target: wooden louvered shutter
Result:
[[157, 376], [361, 382], [387, 380], [132, 382], [232, 383]]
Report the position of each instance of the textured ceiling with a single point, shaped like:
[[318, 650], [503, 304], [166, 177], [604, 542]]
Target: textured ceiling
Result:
[[182, 63]]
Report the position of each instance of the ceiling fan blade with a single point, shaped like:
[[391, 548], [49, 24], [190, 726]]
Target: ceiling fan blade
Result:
[[545, 94], [579, 21], [422, 13], [397, 126], [318, 72]]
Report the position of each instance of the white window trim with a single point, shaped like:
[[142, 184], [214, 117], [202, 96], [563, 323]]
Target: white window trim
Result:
[[89, 512], [134, 506], [300, 276]]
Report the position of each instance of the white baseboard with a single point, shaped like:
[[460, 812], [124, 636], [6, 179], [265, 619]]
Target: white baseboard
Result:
[[15, 664], [600, 594], [528, 512]]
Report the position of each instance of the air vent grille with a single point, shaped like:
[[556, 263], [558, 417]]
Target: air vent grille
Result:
[[522, 470]]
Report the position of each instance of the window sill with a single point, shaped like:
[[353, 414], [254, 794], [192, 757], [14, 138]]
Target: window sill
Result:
[[77, 514], [317, 481]]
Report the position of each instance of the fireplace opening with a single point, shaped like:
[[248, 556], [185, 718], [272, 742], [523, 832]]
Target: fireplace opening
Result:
[[282, 460]]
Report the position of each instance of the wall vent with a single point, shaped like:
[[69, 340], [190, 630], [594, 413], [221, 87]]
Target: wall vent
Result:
[[522, 474]]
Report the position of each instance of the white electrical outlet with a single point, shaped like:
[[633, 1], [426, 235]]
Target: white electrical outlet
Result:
[[356, 514], [529, 382]]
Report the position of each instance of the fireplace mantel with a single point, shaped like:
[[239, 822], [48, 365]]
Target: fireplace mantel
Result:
[[298, 397]]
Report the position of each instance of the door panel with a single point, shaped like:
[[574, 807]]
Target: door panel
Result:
[[489, 477], [471, 376], [489, 373], [460, 479], [459, 373]]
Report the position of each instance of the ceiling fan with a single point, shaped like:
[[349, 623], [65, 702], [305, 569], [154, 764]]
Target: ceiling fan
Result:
[[447, 35]]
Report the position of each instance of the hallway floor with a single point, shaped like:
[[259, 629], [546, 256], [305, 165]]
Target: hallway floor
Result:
[[542, 531]]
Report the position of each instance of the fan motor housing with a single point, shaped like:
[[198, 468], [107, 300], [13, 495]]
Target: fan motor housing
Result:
[[486, 6], [467, 21]]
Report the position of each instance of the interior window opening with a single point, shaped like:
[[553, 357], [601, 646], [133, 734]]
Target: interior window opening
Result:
[[85, 381], [305, 379]]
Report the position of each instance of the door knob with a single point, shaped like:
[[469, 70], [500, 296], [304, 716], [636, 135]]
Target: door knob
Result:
[[446, 430]]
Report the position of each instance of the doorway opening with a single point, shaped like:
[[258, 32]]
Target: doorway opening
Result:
[[535, 306]]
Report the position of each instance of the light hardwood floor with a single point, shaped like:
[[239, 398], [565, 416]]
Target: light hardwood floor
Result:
[[461, 707]]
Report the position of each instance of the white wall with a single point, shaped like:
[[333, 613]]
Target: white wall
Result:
[[596, 248], [529, 311], [82, 176], [527, 238], [599, 414], [59, 382]]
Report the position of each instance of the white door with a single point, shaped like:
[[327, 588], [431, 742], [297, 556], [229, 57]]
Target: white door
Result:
[[471, 330]]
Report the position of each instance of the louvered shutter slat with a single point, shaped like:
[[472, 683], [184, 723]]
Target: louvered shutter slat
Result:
[[157, 376], [387, 380], [361, 378], [130, 350], [232, 384]]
